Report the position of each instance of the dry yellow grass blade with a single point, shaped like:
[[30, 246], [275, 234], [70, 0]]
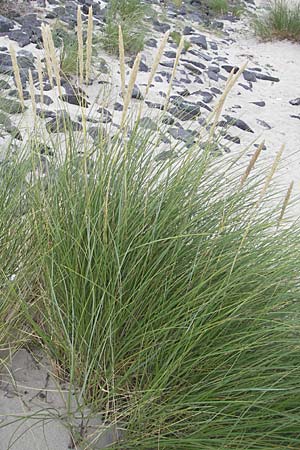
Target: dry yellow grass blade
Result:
[[252, 162], [89, 43], [232, 79], [40, 76], [122, 61], [17, 75], [80, 45], [157, 60], [178, 53], [54, 59], [32, 93], [47, 54], [131, 83], [285, 202], [271, 174]]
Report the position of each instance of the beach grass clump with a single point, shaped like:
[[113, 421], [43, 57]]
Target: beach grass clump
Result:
[[169, 297], [130, 15], [281, 21], [16, 252]]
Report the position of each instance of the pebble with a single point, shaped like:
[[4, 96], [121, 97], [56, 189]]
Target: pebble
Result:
[[295, 101]]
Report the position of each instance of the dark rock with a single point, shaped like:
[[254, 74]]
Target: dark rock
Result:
[[248, 87], [184, 110], [261, 104], [263, 124], [10, 106], [168, 120], [264, 147], [249, 76], [238, 123], [46, 99], [215, 69], [213, 75], [44, 114], [74, 99], [187, 30], [154, 105], [168, 64], [20, 37], [136, 93], [294, 116], [184, 93], [199, 40], [198, 64], [295, 101], [4, 85], [62, 123], [261, 76], [229, 68], [5, 24], [158, 79], [160, 27], [216, 90], [181, 134], [192, 69], [98, 133], [234, 139], [143, 67], [118, 107], [213, 45], [147, 122], [151, 43], [170, 54], [106, 115]]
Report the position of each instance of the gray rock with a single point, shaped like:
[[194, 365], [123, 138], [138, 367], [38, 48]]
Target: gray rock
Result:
[[20, 37], [199, 40], [106, 116], [160, 27], [46, 99], [45, 114], [10, 106], [158, 79], [237, 123], [4, 85], [136, 93], [261, 104], [184, 110], [213, 75], [249, 76], [154, 105], [229, 68], [143, 67], [118, 107], [97, 133], [74, 99], [148, 123], [234, 139], [192, 69], [261, 76], [187, 136], [263, 124], [62, 123], [5, 24], [170, 54], [151, 43], [187, 30], [295, 101]]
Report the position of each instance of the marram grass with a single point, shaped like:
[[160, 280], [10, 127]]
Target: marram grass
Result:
[[170, 298], [166, 292]]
